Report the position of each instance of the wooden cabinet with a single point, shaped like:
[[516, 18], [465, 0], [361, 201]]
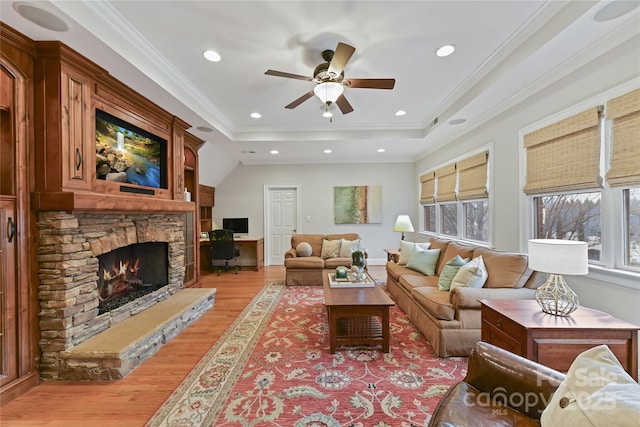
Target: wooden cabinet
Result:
[[63, 113], [521, 327], [191, 144], [19, 306], [206, 202]]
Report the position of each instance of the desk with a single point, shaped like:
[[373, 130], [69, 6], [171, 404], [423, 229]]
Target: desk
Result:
[[251, 253], [521, 327]]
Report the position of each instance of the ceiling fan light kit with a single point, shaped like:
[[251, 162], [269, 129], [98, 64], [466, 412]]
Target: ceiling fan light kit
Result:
[[330, 81]]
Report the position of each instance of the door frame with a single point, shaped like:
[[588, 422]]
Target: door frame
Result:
[[267, 215]]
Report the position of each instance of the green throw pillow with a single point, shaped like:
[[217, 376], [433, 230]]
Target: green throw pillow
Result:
[[449, 272], [424, 261]]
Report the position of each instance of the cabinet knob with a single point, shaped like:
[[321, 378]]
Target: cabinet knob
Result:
[[499, 323]]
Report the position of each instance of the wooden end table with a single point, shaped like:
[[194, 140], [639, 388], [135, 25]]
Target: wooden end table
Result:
[[521, 327], [392, 254], [356, 315]]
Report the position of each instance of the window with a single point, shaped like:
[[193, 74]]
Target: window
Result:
[[570, 217], [476, 220], [429, 224], [631, 198], [449, 219]]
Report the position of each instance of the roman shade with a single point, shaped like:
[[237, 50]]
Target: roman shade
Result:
[[564, 156], [624, 168], [472, 177], [446, 183], [427, 187]]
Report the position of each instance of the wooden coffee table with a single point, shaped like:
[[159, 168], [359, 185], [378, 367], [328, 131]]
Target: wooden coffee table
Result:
[[357, 315], [521, 327]]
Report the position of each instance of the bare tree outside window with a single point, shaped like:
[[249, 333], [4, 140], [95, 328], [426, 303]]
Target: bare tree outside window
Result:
[[571, 217], [449, 215], [476, 220], [632, 226], [430, 218]]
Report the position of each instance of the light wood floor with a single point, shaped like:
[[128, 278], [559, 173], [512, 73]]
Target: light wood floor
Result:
[[134, 399]]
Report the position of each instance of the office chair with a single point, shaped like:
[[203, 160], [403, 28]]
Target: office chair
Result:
[[223, 247]]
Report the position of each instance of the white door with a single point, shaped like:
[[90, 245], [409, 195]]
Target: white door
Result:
[[281, 217]]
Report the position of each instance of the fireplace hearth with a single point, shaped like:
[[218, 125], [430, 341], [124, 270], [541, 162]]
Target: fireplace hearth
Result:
[[130, 272]]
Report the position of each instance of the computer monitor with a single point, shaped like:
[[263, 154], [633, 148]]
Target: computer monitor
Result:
[[237, 225]]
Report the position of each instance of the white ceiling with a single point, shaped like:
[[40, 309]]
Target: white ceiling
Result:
[[505, 51]]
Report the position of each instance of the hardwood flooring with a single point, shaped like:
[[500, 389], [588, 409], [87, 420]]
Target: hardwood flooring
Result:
[[134, 399]]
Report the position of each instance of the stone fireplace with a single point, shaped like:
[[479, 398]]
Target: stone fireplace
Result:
[[74, 250]]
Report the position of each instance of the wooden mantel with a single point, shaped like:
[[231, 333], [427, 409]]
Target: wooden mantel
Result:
[[86, 201]]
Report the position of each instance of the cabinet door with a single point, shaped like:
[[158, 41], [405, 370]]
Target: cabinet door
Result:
[[76, 129], [8, 294]]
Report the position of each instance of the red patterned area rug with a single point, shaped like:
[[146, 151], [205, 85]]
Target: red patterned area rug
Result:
[[273, 367]]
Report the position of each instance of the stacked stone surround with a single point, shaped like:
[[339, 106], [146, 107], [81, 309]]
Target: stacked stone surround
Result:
[[69, 244]]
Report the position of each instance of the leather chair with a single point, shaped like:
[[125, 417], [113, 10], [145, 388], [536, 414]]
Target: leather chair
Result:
[[223, 247], [500, 389]]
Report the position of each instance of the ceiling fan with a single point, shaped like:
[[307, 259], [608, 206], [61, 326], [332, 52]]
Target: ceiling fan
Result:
[[330, 81]]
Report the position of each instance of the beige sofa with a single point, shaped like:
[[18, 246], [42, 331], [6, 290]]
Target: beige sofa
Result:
[[307, 270], [450, 320]]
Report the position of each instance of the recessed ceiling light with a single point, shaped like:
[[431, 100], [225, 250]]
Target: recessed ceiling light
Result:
[[274, 151], [327, 151], [445, 50], [256, 115], [41, 17], [400, 113], [615, 9], [381, 150], [457, 121], [204, 129], [212, 55], [327, 114]]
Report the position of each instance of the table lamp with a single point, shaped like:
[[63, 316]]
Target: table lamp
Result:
[[403, 223], [558, 257]]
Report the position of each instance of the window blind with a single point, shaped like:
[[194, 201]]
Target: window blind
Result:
[[427, 187], [472, 176], [624, 166], [564, 156], [446, 183]]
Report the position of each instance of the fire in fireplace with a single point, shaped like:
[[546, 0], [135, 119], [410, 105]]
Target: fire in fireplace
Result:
[[131, 272]]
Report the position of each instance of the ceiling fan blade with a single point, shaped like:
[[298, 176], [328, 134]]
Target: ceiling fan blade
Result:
[[371, 83], [287, 75], [344, 105], [340, 58], [300, 100]]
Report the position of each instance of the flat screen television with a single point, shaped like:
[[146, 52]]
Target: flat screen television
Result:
[[237, 225], [128, 154]]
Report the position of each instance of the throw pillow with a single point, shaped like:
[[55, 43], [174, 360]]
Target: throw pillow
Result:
[[597, 391], [424, 261], [346, 246], [449, 271], [330, 249], [303, 249], [472, 275], [407, 247]]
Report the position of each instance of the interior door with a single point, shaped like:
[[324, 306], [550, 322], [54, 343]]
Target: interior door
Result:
[[281, 222]]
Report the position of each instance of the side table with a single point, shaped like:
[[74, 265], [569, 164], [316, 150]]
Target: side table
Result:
[[521, 327], [392, 254]]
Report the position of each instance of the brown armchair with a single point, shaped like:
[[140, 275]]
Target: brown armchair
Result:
[[500, 389]]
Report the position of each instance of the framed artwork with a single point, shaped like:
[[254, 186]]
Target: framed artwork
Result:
[[359, 204]]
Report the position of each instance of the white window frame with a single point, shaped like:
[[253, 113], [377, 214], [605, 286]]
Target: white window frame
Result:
[[611, 266]]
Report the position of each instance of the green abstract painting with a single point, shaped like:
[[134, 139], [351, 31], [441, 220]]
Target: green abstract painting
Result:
[[361, 204]]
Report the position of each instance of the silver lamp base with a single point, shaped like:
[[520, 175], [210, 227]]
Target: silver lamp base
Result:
[[556, 297]]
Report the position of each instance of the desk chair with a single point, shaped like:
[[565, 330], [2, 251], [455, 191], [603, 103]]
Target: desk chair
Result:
[[223, 247]]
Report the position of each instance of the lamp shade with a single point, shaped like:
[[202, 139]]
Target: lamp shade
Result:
[[403, 223], [328, 92], [558, 256]]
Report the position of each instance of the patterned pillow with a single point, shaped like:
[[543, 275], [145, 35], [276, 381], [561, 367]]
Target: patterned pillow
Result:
[[330, 249]]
